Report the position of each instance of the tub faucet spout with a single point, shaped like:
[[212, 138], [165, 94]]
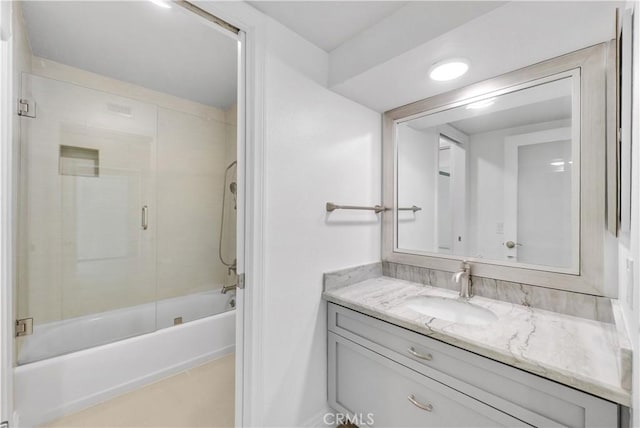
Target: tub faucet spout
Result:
[[226, 288]]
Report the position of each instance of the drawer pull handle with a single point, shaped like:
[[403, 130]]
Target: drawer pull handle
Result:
[[145, 217], [428, 407], [413, 352]]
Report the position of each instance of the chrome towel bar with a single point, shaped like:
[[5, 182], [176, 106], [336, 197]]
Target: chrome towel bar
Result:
[[413, 208], [332, 207], [377, 208]]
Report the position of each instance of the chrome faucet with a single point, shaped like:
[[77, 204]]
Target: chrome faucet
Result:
[[463, 277], [226, 288]]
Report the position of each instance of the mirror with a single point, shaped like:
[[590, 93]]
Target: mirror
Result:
[[495, 177], [508, 174]]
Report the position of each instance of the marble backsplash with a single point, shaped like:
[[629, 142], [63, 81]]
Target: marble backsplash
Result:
[[353, 275], [560, 301]]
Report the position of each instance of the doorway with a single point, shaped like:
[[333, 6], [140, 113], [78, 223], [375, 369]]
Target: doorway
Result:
[[128, 194]]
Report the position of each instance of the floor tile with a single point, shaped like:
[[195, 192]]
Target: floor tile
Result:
[[200, 397]]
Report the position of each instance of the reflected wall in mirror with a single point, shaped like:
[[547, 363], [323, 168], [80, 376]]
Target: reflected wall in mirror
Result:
[[496, 177], [510, 174]]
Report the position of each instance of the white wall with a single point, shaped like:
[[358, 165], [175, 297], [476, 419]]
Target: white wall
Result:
[[310, 146], [418, 184], [486, 194], [319, 147], [486, 189], [543, 222]]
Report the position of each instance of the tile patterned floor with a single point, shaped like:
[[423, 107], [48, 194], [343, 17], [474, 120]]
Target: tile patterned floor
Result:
[[200, 397]]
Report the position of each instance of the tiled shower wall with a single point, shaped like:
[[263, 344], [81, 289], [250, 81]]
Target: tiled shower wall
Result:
[[190, 146]]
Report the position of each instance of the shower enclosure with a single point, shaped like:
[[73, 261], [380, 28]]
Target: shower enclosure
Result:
[[127, 197], [123, 229]]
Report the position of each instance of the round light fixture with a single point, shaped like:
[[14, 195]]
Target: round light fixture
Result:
[[448, 69]]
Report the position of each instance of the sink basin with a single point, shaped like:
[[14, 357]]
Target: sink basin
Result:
[[457, 311]]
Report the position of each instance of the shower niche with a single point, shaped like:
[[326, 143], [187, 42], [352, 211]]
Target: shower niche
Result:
[[79, 161]]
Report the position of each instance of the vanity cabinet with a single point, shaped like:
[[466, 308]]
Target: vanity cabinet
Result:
[[403, 378]]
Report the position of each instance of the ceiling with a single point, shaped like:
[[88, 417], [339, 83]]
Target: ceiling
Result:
[[511, 36], [328, 24], [171, 51], [167, 50], [379, 51]]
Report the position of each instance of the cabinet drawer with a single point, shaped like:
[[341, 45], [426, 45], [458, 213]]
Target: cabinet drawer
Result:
[[533, 399], [380, 390]]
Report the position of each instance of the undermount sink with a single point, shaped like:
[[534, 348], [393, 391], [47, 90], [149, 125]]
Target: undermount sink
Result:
[[457, 311]]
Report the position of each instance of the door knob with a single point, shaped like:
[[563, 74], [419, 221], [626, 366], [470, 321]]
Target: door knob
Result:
[[511, 244]]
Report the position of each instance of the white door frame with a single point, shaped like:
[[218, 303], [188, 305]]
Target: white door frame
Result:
[[6, 213], [249, 389]]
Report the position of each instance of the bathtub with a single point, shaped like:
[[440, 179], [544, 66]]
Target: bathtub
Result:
[[96, 368]]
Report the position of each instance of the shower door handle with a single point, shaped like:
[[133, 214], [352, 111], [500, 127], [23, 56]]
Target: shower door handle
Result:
[[145, 217]]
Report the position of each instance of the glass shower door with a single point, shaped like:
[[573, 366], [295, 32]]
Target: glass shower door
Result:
[[87, 234]]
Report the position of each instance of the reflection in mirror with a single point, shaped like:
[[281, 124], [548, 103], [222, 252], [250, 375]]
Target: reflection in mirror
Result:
[[497, 178], [445, 230]]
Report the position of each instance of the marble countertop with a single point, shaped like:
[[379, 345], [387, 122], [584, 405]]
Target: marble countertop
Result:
[[577, 352]]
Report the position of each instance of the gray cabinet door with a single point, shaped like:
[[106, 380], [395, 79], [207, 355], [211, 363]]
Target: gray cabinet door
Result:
[[371, 387]]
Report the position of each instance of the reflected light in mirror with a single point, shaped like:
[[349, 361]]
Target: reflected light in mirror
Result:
[[482, 104], [449, 69]]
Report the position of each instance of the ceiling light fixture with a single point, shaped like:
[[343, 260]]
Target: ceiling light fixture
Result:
[[162, 3], [448, 69], [482, 104]]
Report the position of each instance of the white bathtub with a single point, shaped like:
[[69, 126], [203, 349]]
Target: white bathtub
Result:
[[53, 387], [74, 334]]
